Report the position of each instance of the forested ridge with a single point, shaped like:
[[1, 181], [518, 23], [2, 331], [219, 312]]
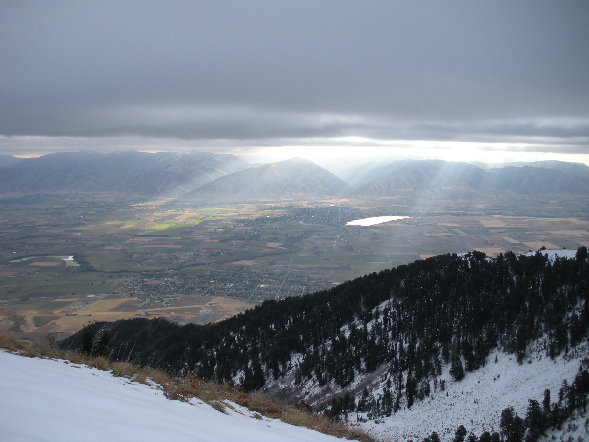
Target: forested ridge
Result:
[[408, 322]]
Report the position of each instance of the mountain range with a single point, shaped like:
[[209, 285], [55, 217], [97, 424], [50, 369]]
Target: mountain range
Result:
[[413, 176], [227, 178], [122, 172]]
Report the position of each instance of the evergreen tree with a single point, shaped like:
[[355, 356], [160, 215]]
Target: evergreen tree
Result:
[[485, 437], [432, 438], [535, 420], [546, 402], [581, 254], [410, 390], [460, 434], [512, 426], [87, 340], [456, 369], [103, 347], [364, 400], [387, 399]]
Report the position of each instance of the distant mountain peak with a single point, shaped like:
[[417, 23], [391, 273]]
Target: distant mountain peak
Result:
[[288, 179]]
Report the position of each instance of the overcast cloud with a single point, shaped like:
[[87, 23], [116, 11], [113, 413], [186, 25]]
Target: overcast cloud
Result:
[[238, 73]]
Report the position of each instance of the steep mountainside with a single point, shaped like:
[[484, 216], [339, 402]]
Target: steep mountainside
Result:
[[411, 176], [183, 172], [415, 177], [536, 180], [295, 178], [579, 170], [134, 172], [9, 160], [385, 342]]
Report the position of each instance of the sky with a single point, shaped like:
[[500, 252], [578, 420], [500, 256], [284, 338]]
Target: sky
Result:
[[460, 80]]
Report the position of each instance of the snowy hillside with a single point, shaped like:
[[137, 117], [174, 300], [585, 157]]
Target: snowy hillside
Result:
[[50, 400], [477, 400], [430, 346]]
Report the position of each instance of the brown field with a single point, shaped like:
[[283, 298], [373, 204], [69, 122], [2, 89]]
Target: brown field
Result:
[[102, 305], [570, 220], [491, 222], [67, 325], [244, 262], [539, 244], [571, 232], [45, 241], [45, 263], [80, 311], [162, 246], [491, 251]]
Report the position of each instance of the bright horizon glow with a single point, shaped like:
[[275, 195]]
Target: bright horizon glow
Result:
[[335, 154], [463, 151], [31, 155], [351, 151]]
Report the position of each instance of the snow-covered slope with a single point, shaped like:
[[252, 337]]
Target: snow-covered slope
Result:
[[49, 400], [575, 429], [552, 254], [477, 400]]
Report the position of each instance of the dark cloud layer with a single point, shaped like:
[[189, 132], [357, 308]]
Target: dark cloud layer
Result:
[[290, 69]]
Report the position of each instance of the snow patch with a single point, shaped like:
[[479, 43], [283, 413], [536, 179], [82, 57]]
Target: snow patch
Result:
[[49, 400], [558, 253]]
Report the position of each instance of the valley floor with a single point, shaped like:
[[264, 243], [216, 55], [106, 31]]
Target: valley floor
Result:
[[55, 400]]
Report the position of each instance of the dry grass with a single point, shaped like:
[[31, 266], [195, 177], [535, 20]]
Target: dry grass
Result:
[[45, 263], [186, 388], [323, 424]]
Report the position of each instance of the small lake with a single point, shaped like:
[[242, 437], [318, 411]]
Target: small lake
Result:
[[365, 222]]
